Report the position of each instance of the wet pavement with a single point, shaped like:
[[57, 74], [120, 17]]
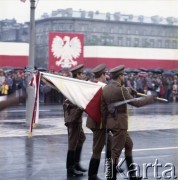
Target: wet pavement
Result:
[[153, 128]]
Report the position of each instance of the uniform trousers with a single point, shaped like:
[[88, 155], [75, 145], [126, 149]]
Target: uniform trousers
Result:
[[76, 136], [99, 140], [121, 140]]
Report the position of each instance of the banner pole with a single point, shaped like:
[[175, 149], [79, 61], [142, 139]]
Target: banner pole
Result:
[[30, 67]]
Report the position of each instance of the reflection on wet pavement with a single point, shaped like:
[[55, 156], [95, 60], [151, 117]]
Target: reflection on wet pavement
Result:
[[154, 130]]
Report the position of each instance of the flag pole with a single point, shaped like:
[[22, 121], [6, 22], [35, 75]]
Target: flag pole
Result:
[[30, 90], [157, 98]]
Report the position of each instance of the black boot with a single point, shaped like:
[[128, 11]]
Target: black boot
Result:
[[71, 171], [77, 159], [131, 167], [93, 169], [94, 177]]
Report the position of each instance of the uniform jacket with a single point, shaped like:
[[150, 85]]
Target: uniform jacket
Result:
[[72, 113], [91, 124], [114, 92]]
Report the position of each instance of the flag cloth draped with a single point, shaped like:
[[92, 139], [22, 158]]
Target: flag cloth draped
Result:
[[84, 94]]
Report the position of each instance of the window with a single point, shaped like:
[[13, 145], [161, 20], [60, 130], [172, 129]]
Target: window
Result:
[[159, 43], [174, 44], [120, 41], [128, 42], [136, 32], [167, 43], [136, 42], [94, 29], [120, 30], [144, 32], [152, 43], [145, 42], [111, 30], [61, 27]]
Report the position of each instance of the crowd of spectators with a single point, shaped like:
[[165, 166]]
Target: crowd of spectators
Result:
[[164, 85], [11, 82]]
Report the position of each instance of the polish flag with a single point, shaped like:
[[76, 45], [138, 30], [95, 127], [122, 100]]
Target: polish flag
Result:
[[86, 95], [35, 83]]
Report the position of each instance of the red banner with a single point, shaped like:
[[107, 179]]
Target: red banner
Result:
[[65, 50]]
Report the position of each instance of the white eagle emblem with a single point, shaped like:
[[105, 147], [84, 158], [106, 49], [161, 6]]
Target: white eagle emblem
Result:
[[66, 50]]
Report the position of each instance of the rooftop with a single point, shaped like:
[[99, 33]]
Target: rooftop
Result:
[[117, 16]]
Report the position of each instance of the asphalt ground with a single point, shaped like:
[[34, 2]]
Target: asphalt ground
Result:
[[153, 128]]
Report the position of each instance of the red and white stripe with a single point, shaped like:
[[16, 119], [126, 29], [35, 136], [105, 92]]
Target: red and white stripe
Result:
[[131, 57], [14, 54]]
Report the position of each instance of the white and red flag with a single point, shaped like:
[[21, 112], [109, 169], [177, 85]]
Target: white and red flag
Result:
[[84, 94], [23, 0]]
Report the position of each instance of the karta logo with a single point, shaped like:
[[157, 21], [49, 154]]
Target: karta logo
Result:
[[65, 50]]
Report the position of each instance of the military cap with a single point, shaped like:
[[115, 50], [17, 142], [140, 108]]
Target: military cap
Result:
[[77, 69], [117, 70], [98, 70]]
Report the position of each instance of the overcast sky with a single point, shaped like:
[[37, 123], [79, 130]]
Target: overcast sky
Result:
[[21, 11]]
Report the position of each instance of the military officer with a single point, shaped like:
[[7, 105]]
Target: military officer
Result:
[[99, 130], [76, 136], [117, 120]]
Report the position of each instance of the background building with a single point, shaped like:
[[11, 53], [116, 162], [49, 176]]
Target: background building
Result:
[[99, 29]]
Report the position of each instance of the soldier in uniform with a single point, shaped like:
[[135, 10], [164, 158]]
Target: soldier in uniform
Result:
[[99, 130], [76, 136], [117, 120]]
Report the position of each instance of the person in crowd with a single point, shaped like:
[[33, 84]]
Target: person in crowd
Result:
[[174, 90], [99, 130], [76, 136], [10, 83], [140, 84], [4, 88], [167, 84], [2, 79], [117, 119]]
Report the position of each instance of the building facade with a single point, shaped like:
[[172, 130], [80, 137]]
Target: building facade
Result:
[[11, 31], [99, 29]]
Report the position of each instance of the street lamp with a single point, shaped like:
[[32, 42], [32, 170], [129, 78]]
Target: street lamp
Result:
[[30, 68]]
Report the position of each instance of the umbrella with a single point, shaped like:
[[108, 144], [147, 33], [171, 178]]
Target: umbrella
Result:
[[158, 70], [136, 71], [143, 74], [175, 71], [143, 69], [151, 70], [168, 73], [128, 70]]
